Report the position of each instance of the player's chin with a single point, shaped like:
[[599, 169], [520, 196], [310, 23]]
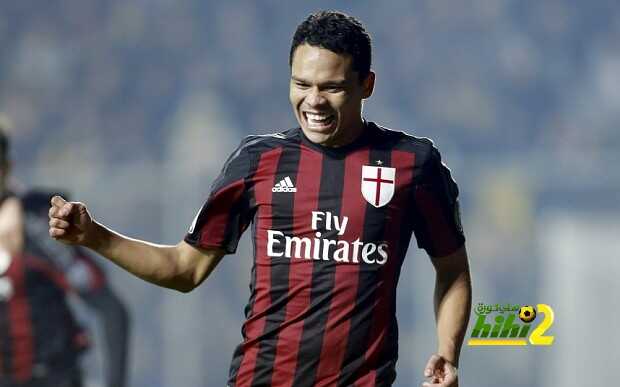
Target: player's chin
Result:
[[320, 136]]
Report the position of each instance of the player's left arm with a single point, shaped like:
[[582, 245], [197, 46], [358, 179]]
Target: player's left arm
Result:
[[438, 229], [452, 301]]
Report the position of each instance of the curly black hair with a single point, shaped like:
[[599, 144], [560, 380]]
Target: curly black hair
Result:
[[339, 33]]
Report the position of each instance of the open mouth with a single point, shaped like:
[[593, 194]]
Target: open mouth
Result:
[[319, 120]]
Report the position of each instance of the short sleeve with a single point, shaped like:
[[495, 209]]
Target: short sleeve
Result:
[[437, 225], [227, 212]]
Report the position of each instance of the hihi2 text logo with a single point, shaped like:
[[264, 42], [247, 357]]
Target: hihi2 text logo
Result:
[[512, 325]]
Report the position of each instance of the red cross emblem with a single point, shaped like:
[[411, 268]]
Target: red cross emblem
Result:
[[378, 184]]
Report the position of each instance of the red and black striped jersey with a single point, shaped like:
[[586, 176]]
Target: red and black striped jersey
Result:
[[330, 229]]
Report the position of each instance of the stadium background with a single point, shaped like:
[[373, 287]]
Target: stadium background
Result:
[[134, 105]]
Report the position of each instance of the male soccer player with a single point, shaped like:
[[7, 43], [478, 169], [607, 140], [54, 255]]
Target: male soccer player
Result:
[[40, 340], [333, 205]]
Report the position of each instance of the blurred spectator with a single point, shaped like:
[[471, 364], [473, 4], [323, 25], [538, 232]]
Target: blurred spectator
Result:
[[40, 339]]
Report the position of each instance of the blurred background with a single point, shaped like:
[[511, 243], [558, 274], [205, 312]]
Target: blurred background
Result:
[[133, 106]]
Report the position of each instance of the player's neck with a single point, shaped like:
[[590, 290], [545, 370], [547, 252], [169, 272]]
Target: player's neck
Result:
[[349, 135]]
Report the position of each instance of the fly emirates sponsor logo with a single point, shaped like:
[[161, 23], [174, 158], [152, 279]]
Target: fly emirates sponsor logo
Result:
[[317, 248]]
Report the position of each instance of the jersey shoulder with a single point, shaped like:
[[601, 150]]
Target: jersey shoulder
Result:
[[264, 142], [244, 159], [423, 147], [252, 146]]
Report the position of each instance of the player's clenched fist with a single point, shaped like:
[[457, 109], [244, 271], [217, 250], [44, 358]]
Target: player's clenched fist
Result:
[[70, 222]]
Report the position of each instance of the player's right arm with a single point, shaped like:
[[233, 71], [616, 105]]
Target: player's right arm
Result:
[[181, 267]]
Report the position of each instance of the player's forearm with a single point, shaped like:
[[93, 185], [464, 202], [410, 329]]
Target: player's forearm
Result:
[[452, 309], [158, 264]]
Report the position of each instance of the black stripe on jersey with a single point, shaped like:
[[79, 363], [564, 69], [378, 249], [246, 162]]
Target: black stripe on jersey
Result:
[[282, 214], [259, 145], [386, 370], [238, 353], [323, 275], [401, 225], [235, 225], [362, 315]]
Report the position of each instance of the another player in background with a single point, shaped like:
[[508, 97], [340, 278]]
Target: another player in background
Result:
[[40, 339], [333, 205]]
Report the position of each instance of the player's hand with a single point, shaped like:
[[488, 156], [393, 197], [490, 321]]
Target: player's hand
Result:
[[440, 373], [70, 222]]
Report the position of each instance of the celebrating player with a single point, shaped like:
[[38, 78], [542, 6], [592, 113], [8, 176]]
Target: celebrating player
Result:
[[333, 205], [40, 339]]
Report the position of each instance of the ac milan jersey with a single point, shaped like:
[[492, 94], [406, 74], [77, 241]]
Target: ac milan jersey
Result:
[[330, 229]]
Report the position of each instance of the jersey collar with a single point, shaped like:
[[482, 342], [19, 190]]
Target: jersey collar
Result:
[[363, 139]]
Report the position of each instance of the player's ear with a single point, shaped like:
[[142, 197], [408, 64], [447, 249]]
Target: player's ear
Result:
[[369, 84]]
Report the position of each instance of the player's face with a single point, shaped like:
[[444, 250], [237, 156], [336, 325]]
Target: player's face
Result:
[[327, 95]]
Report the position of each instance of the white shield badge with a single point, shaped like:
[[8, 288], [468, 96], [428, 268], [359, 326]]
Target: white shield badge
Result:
[[378, 184]]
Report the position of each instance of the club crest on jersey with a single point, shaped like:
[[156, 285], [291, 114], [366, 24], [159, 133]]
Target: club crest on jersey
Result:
[[378, 184]]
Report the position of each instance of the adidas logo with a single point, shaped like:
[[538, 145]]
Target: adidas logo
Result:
[[285, 185]]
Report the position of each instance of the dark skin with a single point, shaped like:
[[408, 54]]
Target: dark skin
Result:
[[452, 302], [325, 83]]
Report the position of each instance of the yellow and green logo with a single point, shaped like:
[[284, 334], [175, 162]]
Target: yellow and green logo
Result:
[[512, 325]]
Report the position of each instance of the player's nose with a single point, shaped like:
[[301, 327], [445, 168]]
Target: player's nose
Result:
[[314, 98]]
